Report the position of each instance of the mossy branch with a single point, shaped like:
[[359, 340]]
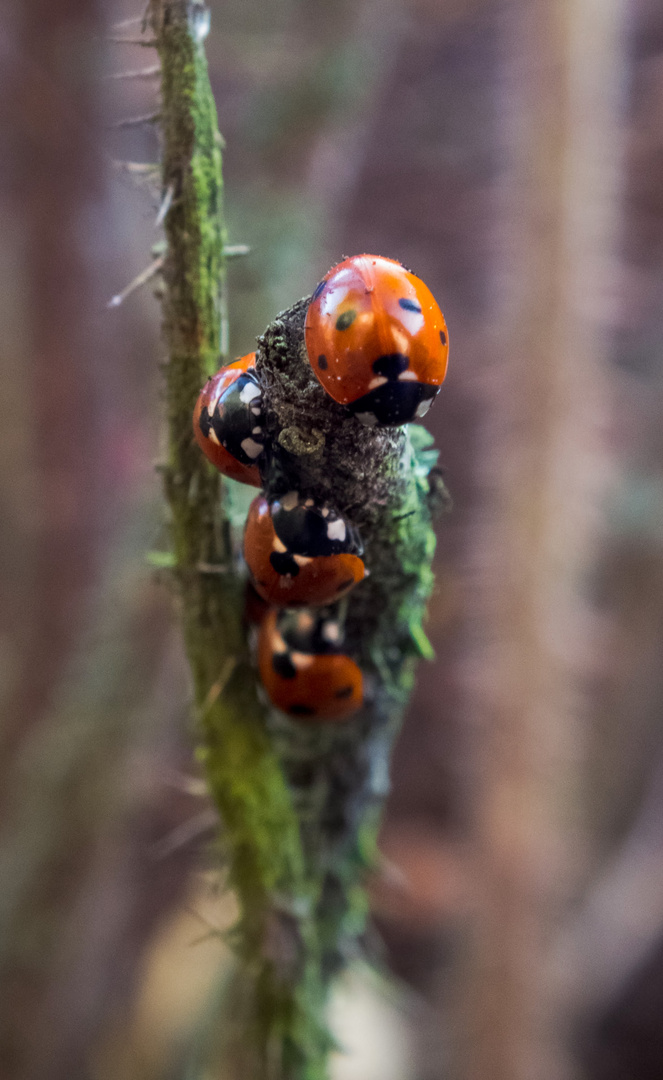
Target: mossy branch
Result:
[[299, 804]]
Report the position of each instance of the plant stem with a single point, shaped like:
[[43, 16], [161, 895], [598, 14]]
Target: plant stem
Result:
[[299, 803]]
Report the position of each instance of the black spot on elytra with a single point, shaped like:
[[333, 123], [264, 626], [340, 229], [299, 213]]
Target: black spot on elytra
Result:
[[322, 362], [283, 665], [284, 563], [346, 319], [344, 692], [302, 636], [303, 531], [410, 305], [301, 710], [204, 422], [391, 365], [394, 402], [318, 290], [443, 337]]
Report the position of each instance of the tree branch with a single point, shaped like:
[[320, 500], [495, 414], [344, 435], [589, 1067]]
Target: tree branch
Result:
[[299, 803]]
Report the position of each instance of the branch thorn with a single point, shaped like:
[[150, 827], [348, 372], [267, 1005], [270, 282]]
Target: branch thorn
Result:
[[142, 73], [141, 279], [166, 204], [136, 121]]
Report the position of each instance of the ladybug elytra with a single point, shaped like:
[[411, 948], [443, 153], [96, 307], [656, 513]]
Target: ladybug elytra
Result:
[[299, 553], [308, 685], [228, 421], [377, 340]]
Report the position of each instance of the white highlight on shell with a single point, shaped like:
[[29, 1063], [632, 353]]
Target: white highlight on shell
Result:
[[251, 448], [367, 418], [301, 660], [249, 392], [212, 405], [379, 380], [331, 632], [336, 530], [424, 406], [408, 375], [302, 560], [290, 501], [213, 437], [402, 340]]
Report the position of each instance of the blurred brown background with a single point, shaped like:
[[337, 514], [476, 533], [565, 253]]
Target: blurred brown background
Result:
[[510, 153]]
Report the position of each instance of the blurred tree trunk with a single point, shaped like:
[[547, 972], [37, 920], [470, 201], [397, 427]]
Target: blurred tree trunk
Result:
[[546, 467], [78, 816], [48, 118]]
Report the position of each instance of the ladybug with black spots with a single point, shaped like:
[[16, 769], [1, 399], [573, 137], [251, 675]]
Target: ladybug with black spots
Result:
[[300, 553], [377, 340], [303, 669], [228, 421]]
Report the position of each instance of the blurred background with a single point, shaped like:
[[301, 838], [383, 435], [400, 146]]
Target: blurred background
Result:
[[510, 152]]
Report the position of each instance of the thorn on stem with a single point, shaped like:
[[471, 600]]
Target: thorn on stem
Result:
[[185, 834], [235, 251], [124, 24], [166, 204], [146, 43], [138, 167], [142, 279], [142, 73], [217, 688], [136, 121]]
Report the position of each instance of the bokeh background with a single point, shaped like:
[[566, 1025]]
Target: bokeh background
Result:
[[511, 153]]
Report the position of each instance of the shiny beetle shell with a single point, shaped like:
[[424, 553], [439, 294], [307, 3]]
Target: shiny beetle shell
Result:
[[308, 686], [228, 421], [300, 554], [377, 340]]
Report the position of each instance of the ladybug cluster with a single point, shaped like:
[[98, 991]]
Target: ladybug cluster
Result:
[[377, 342]]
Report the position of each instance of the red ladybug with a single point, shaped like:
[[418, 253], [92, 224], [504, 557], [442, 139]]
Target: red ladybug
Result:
[[309, 685], [377, 340], [299, 553], [255, 608], [228, 421]]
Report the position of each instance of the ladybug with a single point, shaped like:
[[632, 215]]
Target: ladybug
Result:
[[315, 685], [255, 608], [299, 553], [377, 340], [311, 630], [228, 421]]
